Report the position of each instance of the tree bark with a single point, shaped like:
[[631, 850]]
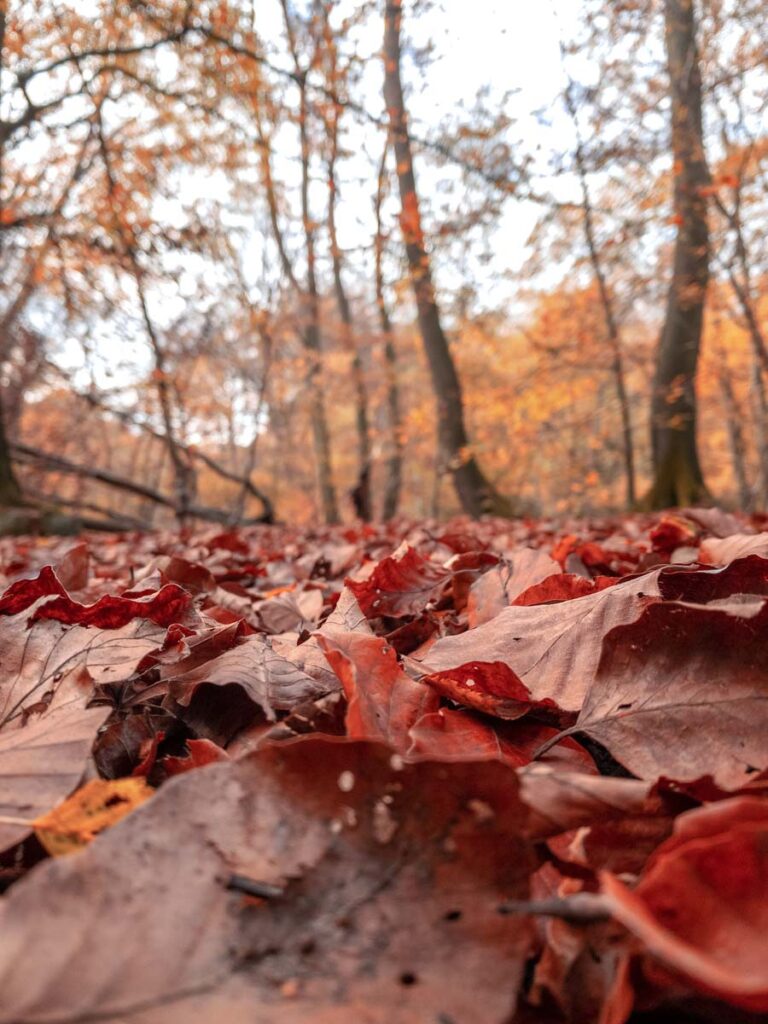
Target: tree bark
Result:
[[678, 479], [760, 415], [309, 301], [351, 343], [313, 339], [394, 477], [476, 493], [311, 334], [735, 437], [606, 300], [361, 494], [10, 491]]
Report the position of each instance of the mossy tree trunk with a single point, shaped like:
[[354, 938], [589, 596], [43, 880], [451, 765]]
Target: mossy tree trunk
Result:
[[677, 475]]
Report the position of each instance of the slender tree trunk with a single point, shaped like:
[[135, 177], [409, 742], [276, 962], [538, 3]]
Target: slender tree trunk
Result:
[[184, 475], [606, 300], [309, 308], [313, 343], [10, 492], [617, 364], [351, 343], [760, 417], [312, 334], [238, 508], [735, 437], [476, 494], [361, 493], [320, 433], [742, 289], [393, 481], [678, 479], [742, 286]]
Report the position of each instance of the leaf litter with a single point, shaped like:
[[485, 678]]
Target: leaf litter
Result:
[[486, 772]]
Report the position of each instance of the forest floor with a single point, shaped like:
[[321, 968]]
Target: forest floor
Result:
[[469, 773]]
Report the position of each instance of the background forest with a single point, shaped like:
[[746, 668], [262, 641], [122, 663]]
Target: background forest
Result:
[[249, 249]]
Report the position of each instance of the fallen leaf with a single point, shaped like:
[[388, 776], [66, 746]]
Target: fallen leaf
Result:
[[683, 692], [97, 805], [503, 584], [447, 735], [553, 649], [382, 701], [41, 762], [400, 586], [388, 874], [271, 681], [700, 908], [721, 551], [163, 607], [201, 753], [488, 686]]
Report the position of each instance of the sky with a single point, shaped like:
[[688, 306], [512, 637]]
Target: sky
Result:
[[511, 46], [508, 45], [476, 44]]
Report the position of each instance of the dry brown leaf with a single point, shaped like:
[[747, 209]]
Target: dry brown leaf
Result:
[[390, 875]]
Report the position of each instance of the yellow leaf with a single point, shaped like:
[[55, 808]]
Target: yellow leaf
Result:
[[92, 808]]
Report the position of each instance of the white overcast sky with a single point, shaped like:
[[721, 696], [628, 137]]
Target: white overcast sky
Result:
[[512, 45]]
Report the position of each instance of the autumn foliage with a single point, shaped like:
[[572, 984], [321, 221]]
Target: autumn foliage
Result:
[[308, 774]]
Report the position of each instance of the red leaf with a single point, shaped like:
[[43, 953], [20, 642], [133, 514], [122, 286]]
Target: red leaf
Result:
[[164, 607], [701, 906], [447, 735], [488, 686], [383, 702], [22, 594], [148, 754], [201, 753], [400, 586], [564, 587], [673, 532]]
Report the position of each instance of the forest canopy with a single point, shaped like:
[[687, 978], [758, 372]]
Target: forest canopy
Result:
[[312, 260]]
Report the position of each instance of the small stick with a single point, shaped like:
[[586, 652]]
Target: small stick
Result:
[[252, 887], [581, 908]]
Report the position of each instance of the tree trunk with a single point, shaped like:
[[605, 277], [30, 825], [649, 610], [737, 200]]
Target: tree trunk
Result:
[[312, 335], [184, 476], [760, 415], [678, 479], [309, 328], [10, 492], [606, 300], [393, 482], [735, 437], [361, 494], [476, 494], [309, 303]]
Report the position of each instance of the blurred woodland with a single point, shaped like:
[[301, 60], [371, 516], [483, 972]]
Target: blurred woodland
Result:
[[240, 282]]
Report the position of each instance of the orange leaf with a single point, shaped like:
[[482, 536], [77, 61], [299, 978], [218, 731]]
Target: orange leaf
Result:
[[94, 807]]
